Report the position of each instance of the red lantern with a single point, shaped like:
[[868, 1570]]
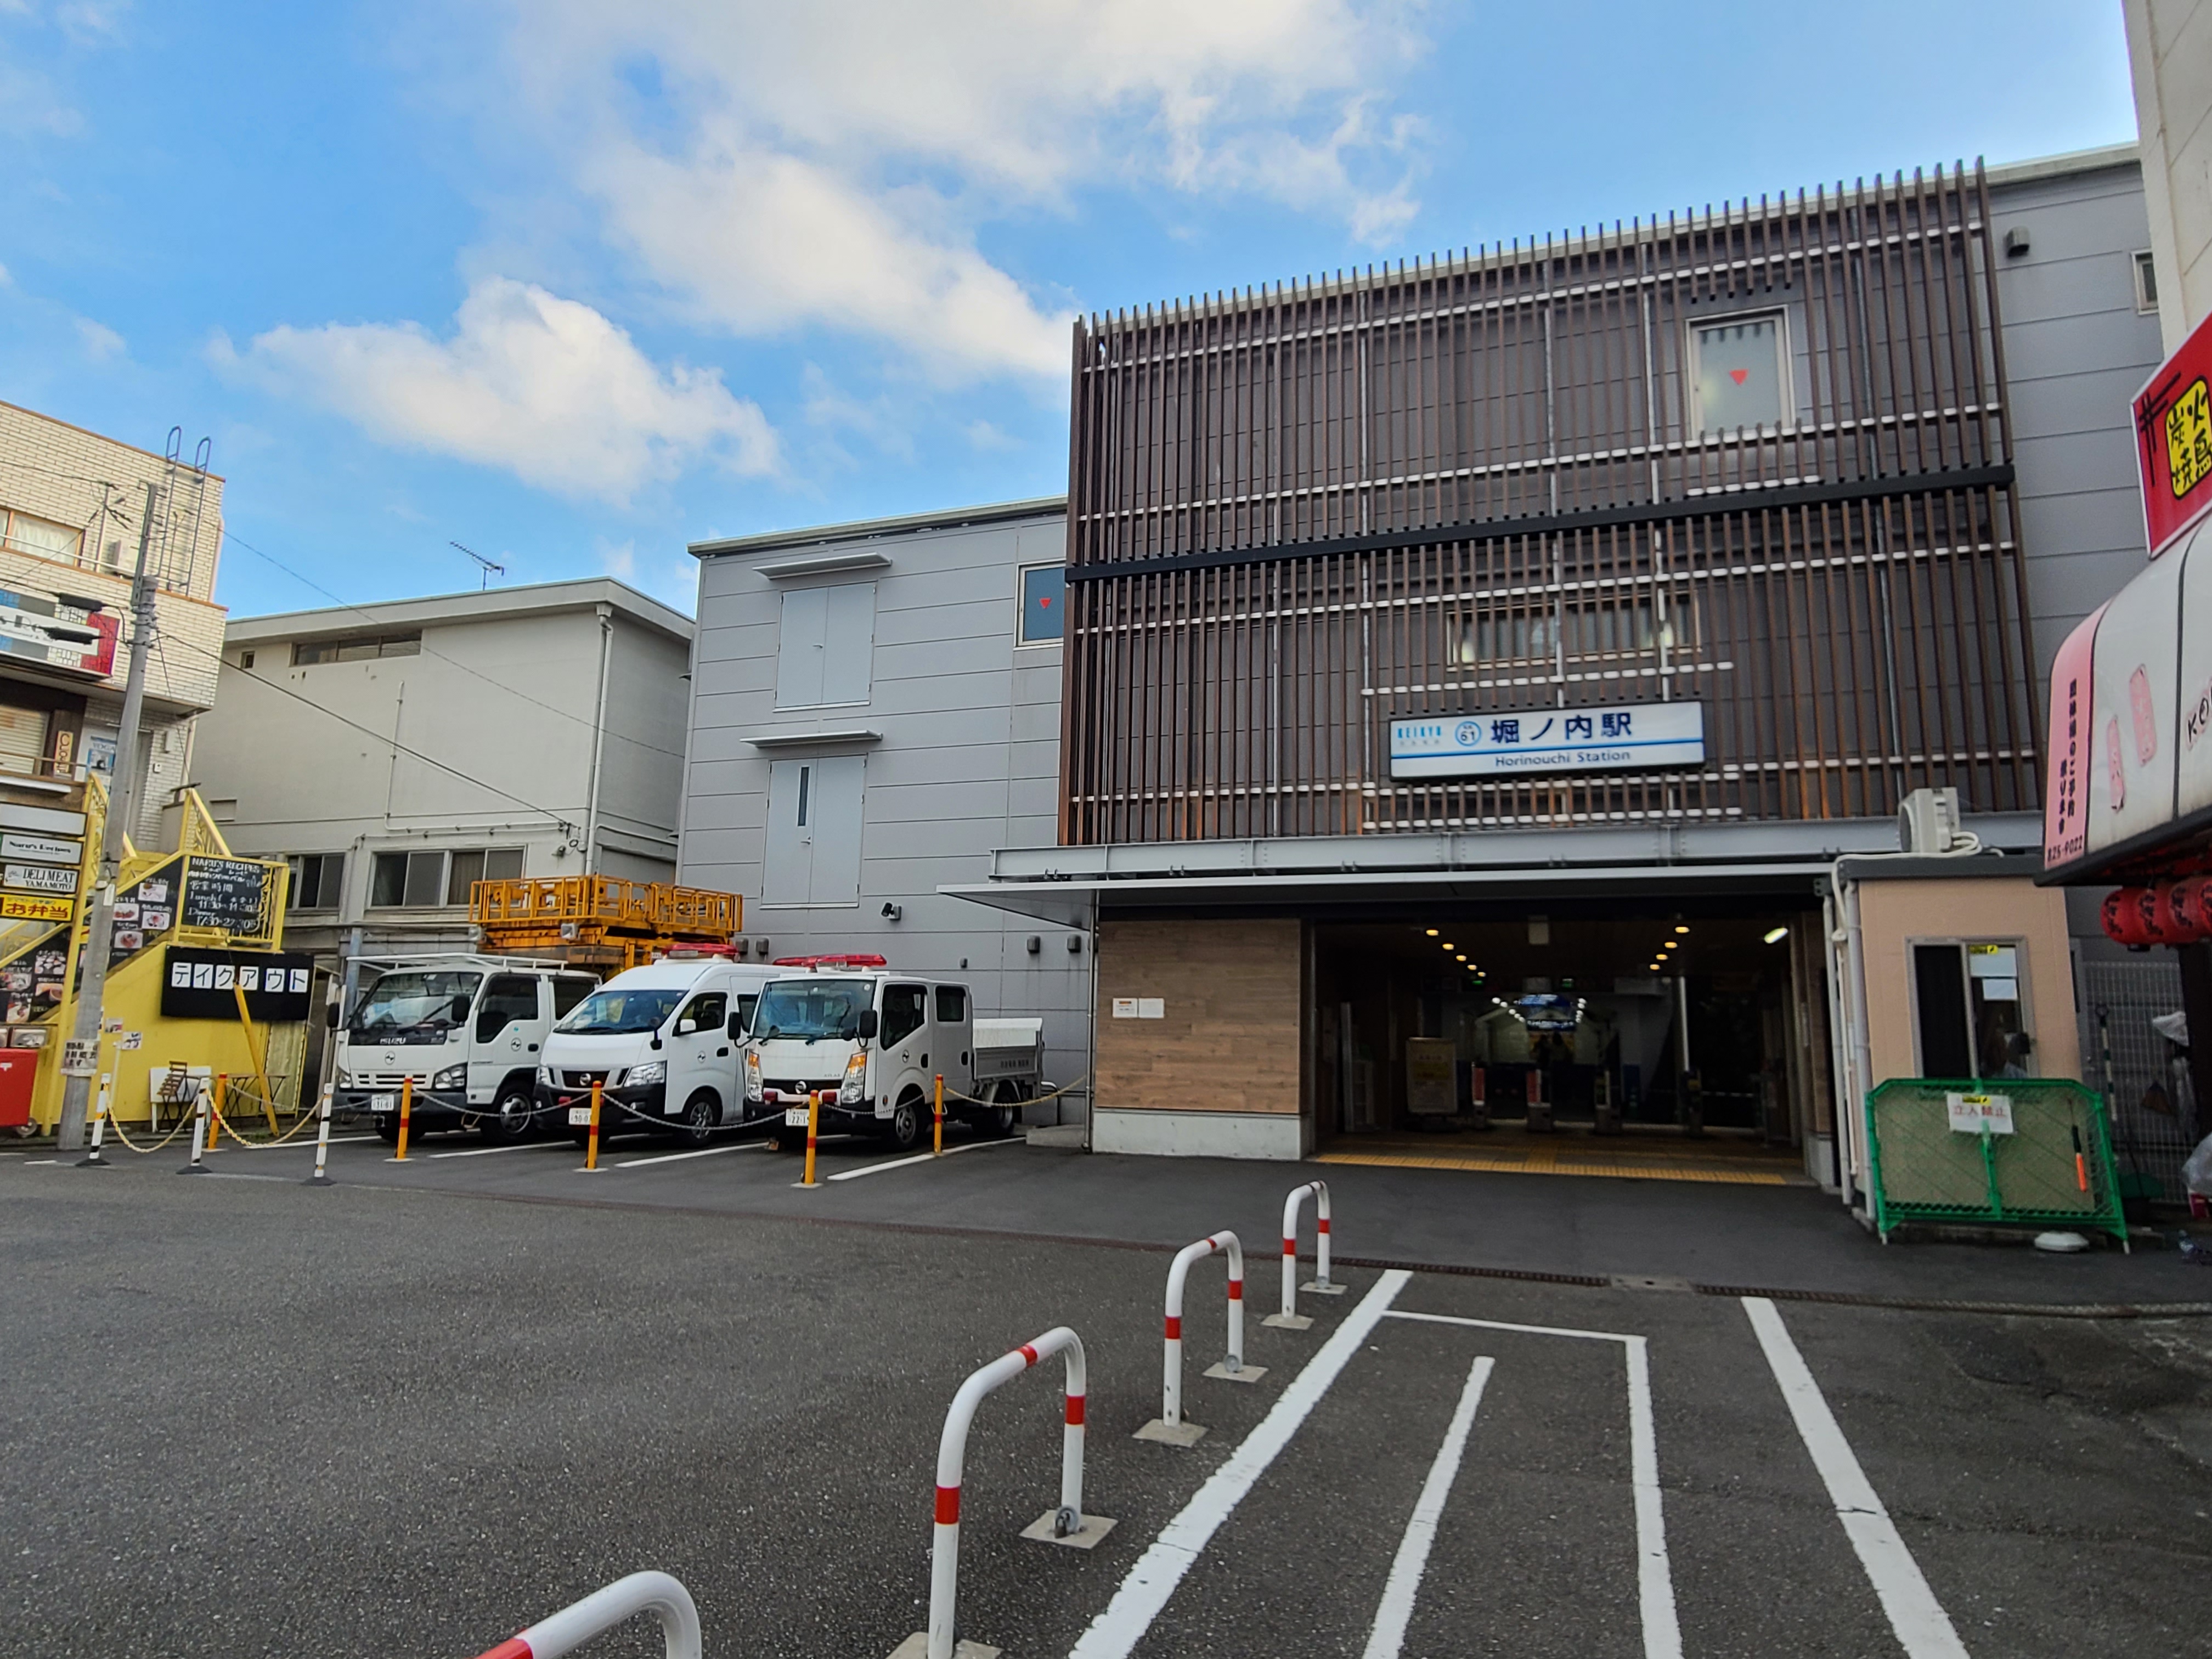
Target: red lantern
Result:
[[2127, 917], [2187, 908]]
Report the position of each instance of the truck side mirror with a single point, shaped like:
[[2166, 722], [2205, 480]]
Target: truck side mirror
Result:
[[737, 1026], [868, 1023], [461, 1012]]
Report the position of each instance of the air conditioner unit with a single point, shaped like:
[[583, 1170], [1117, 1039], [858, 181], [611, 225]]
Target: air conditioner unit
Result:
[[1928, 823]]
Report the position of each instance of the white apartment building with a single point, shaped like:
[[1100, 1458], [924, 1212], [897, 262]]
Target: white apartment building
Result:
[[396, 753], [71, 508]]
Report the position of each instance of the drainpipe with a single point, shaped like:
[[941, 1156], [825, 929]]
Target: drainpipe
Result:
[[1850, 1113], [598, 742]]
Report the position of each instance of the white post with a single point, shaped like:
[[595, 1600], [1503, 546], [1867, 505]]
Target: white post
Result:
[[565, 1631], [1168, 1427], [1288, 1319], [199, 1133], [951, 1459], [323, 1141], [92, 1160]]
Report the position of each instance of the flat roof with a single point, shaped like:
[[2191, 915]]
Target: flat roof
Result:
[[534, 598], [862, 529]]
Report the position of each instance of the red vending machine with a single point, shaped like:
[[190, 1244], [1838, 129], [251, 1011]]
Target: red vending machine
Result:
[[19, 1070]]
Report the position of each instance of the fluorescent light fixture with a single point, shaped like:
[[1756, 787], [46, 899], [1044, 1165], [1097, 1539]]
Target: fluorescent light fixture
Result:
[[1682, 926], [1776, 935], [1431, 932]]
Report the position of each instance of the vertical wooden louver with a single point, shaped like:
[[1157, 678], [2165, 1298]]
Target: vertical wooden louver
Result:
[[1481, 484]]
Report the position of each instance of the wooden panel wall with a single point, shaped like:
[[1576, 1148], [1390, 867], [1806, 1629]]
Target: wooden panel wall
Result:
[[1480, 485], [1228, 1041]]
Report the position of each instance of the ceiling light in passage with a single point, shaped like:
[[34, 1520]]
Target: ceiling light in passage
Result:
[[1776, 935], [1431, 932], [1447, 944], [1681, 928]]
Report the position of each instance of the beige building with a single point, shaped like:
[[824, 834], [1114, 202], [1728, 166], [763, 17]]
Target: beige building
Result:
[[2170, 53], [71, 505]]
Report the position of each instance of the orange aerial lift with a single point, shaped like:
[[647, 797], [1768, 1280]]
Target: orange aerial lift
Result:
[[605, 922]]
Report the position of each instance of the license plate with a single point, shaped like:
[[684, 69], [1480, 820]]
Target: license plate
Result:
[[580, 1117], [384, 1103], [794, 1117]]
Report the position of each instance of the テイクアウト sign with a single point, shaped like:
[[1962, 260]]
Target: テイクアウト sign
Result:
[[1548, 740]]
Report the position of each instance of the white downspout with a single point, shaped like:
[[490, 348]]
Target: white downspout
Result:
[[598, 741]]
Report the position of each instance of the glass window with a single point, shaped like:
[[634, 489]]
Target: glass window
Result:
[[1740, 375], [1044, 604], [568, 992], [387, 881], [503, 864], [2146, 284], [905, 1008], [952, 1004], [426, 874], [811, 1008], [747, 1001], [508, 998], [409, 1001], [462, 873], [317, 880], [42, 538], [1970, 1014], [366, 650], [705, 1012], [612, 1012]]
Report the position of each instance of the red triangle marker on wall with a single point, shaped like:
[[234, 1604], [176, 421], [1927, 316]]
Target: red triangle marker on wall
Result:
[[1739, 375]]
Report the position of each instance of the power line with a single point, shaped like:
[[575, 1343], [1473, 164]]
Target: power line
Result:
[[513, 691]]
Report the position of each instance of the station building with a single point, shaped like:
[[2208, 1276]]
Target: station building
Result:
[[1483, 693]]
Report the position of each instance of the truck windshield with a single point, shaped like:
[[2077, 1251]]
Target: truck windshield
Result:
[[811, 1008], [411, 1001], [607, 1012]]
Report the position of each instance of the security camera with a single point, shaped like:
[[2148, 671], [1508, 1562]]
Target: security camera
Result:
[[893, 912]]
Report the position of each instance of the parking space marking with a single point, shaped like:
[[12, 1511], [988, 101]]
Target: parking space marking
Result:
[[298, 1146], [919, 1157], [1654, 1575], [1922, 1628], [1396, 1609], [703, 1152], [486, 1151], [1115, 1633]]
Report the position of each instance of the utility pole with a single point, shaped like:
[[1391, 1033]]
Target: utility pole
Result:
[[80, 1055]]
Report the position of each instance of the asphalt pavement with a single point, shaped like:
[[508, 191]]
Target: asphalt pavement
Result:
[[412, 1411]]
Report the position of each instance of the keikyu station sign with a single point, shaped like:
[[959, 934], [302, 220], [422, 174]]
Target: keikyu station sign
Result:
[[1625, 737]]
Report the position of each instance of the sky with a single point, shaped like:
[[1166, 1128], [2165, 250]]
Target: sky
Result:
[[575, 284]]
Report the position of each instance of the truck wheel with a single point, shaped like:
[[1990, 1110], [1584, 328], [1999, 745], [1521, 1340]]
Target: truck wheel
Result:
[[997, 1121], [510, 1118], [698, 1122], [387, 1128], [904, 1129]]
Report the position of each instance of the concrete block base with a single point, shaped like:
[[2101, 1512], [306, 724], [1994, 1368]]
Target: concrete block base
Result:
[[1056, 1134], [916, 1646], [1085, 1537], [1276, 1136], [1316, 1287], [1288, 1322], [1222, 1373], [1183, 1434]]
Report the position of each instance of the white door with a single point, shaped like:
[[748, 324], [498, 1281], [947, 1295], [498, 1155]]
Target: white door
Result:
[[825, 646], [510, 1027], [699, 1055], [903, 1037], [814, 820], [953, 1037]]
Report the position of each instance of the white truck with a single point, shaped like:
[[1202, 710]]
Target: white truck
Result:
[[465, 1030], [871, 1044]]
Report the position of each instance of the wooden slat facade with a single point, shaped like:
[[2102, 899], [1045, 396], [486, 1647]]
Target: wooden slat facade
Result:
[[1479, 485]]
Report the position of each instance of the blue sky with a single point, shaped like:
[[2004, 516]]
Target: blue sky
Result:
[[576, 284]]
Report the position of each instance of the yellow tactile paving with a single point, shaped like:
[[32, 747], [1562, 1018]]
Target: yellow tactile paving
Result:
[[1662, 1167]]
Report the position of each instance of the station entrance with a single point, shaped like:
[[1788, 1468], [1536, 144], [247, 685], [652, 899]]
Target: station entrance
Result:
[[1616, 1040]]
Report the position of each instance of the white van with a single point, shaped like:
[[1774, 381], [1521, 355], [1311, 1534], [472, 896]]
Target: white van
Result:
[[663, 1042]]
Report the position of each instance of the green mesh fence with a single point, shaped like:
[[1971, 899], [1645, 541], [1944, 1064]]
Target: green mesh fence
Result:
[[2031, 1151]]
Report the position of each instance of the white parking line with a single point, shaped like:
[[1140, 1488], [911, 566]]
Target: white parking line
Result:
[[1654, 1575], [1115, 1633], [1396, 1609], [704, 1151], [919, 1157], [301, 1146], [1922, 1628], [486, 1151]]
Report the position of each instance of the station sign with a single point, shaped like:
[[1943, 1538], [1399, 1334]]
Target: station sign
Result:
[[1625, 737], [2173, 441]]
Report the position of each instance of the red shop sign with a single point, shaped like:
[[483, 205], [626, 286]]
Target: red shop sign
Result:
[[2173, 441]]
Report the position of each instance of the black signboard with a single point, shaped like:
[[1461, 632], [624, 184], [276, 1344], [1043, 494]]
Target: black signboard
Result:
[[225, 893], [203, 984]]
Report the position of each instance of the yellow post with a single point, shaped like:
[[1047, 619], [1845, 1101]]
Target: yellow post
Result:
[[406, 1114], [215, 1111], [259, 1057], [813, 1119], [591, 1145], [938, 1150]]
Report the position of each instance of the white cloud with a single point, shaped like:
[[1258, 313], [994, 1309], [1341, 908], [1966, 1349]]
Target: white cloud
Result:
[[545, 387], [31, 106], [100, 342], [620, 563], [779, 167]]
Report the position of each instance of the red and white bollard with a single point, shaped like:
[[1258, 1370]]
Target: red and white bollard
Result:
[[1289, 1319], [655, 1593], [1167, 1427], [1066, 1524]]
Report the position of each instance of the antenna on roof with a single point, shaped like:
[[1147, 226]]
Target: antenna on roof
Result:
[[491, 570]]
